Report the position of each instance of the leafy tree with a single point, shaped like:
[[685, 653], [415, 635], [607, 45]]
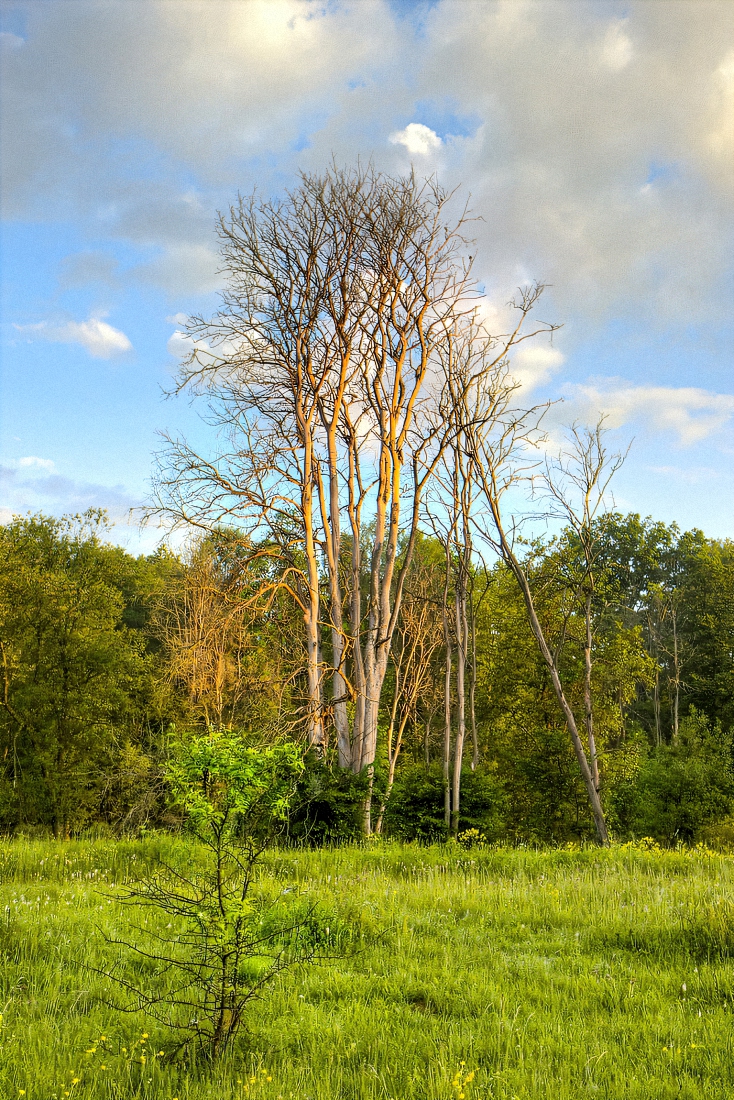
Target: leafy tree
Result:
[[76, 680]]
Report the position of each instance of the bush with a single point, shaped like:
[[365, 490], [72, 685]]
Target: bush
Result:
[[416, 807], [680, 789], [225, 937], [327, 804]]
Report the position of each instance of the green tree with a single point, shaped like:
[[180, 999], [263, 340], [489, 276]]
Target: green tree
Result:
[[73, 674]]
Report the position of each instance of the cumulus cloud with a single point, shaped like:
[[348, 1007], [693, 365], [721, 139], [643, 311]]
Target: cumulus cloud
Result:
[[101, 340], [689, 413], [534, 364], [570, 108], [418, 139]]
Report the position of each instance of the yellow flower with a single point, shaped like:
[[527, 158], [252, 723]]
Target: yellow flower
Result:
[[21, 1092], [75, 1080]]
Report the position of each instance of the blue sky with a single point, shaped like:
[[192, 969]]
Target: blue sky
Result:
[[596, 140]]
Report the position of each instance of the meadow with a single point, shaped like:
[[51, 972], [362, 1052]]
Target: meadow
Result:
[[510, 974]]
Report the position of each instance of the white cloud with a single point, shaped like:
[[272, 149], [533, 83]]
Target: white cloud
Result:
[[721, 137], [617, 51], [180, 344], [101, 340], [10, 42], [418, 139], [35, 463], [533, 364], [690, 413]]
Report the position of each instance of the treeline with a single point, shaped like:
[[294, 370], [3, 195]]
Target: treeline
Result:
[[105, 657]]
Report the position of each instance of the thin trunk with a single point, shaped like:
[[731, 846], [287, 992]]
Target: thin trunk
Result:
[[676, 680], [394, 753], [367, 804], [447, 705], [588, 708], [596, 807], [473, 689], [311, 620], [461, 636]]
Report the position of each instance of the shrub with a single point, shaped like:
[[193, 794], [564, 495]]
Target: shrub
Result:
[[416, 807]]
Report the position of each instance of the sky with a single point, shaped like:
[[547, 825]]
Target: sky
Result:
[[593, 140]]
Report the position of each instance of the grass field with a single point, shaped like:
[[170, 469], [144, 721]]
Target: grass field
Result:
[[545, 975]]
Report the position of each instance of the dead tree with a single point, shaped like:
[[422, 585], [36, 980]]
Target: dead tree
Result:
[[319, 373], [501, 441]]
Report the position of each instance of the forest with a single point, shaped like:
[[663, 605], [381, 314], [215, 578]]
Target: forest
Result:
[[107, 657]]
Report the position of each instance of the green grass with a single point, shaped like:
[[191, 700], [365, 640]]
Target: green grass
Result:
[[551, 975]]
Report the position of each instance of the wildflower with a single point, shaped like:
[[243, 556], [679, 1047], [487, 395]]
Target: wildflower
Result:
[[21, 1092]]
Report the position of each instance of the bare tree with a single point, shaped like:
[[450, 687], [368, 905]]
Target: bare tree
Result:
[[418, 638], [501, 441], [319, 370], [577, 481]]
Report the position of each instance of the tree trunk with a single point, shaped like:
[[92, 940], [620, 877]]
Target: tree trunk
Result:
[[461, 634], [591, 790], [588, 708]]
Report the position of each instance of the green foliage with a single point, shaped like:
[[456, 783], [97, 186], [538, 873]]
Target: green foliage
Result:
[[415, 809], [228, 788], [327, 807], [680, 788], [76, 680]]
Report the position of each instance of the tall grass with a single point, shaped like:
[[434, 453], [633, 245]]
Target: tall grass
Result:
[[548, 975]]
